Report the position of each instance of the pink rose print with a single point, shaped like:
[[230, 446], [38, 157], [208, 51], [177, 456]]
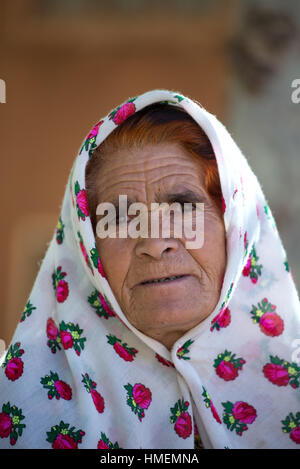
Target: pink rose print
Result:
[[70, 337], [100, 268], [295, 435], [269, 321], [244, 412], [60, 286], [252, 269], [163, 361], [63, 437], [56, 387], [90, 142], [276, 374], [13, 364], [53, 336], [107, 307], [227, 371], [52, 330], [183, 425], [98, 400], [214, 412], [141, 395], [227, 366], [10, 423], [237, 416], [271, 324], [222, 319], [101, 305], [97, 262], [14, 369], [282, 373], [66, 339], [209, 403], [121, 113], [62, 291], [63, 390], [94, 132], [84, 252], [64, 442], [138, 398], [291, 425], [181, 418], [102, 445], [125, 352], [5, 425], [81, 202], [90, 386], [105, 443], [247, 268]]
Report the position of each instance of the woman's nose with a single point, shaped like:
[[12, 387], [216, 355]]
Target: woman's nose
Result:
[[158, 234], [155, 247]]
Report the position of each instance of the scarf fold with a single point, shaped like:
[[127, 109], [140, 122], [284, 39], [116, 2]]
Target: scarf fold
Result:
[[77, 374]]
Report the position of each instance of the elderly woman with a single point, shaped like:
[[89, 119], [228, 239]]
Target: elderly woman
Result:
[[142, 341]]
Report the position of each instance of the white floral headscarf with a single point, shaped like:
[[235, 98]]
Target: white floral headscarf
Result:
[[77, 374]]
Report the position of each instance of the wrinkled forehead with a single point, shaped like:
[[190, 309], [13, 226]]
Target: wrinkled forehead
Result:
[[151, 160], [150, 170]]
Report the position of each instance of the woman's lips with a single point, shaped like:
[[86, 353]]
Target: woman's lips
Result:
[[164, 284]]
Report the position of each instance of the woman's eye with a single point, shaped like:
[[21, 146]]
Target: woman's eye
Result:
[[189, 207]]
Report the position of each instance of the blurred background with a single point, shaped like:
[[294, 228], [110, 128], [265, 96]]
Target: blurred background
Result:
[[66, 63]]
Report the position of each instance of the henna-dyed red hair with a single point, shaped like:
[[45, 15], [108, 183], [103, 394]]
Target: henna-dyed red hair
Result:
[[157, 123]]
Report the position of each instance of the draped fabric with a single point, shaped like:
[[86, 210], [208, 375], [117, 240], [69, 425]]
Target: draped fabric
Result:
[[77, 374]]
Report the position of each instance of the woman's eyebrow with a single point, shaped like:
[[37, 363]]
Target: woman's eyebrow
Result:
[[186, 195]]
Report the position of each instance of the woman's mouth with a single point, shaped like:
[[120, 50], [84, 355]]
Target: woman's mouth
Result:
[[164, 281]]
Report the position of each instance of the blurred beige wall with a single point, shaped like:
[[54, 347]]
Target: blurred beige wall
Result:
[[61, 76]]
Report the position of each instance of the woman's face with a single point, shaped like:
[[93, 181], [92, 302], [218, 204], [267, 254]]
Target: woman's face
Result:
[[163, 311]]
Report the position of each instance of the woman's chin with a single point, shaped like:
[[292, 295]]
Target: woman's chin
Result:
[[168, 317]]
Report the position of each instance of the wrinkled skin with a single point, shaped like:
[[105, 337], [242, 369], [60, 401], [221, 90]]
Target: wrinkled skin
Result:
[[165, 312]]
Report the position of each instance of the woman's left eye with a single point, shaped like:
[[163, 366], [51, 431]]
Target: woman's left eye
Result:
[[190, 206]]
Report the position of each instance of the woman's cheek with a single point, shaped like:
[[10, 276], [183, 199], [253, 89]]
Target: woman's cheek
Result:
[[114, 255]]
